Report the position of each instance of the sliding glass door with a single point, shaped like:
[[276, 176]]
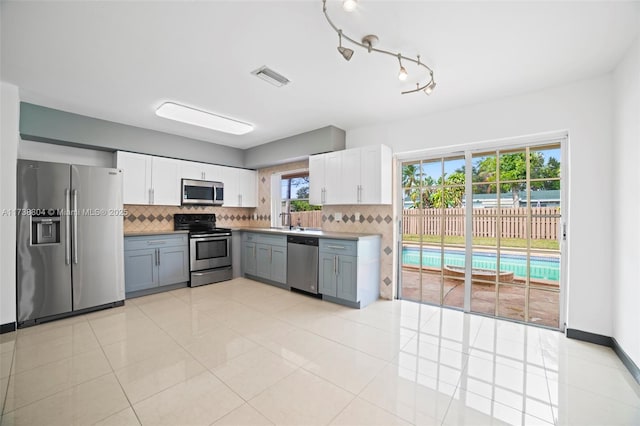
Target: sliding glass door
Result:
[[433, 231], [481, 232]]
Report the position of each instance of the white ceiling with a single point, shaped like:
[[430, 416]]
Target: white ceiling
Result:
[[120, 60]]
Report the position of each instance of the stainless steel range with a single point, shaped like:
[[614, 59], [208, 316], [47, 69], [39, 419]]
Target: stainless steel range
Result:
[[209, 248]]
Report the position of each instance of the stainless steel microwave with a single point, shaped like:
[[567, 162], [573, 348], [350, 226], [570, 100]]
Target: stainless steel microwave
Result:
[[202, 193]]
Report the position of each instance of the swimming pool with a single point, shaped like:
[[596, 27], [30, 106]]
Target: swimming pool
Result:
[[544, 268]]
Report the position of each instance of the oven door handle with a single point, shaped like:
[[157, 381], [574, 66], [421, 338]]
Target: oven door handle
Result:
[[210, 238]]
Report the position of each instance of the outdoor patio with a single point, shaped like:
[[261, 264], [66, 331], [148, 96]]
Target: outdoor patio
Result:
[[543, 304]]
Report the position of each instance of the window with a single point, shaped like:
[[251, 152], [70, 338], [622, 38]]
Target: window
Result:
[[294, 193], [290, 201]]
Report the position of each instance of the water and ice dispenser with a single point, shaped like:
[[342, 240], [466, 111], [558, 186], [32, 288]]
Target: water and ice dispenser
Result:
[[45, 230]]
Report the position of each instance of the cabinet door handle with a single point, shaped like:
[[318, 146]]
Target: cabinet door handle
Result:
[[158, 250], [150, 199], [335, 270], [239, 200], [336, 247], [155, 242]]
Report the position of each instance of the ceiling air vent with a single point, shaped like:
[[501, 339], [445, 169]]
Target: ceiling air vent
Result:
[[270, 76]]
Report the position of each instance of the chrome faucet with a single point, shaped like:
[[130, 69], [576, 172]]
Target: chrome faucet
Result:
[[286, 219]]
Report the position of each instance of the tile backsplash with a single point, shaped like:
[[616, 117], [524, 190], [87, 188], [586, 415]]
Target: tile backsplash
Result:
[[142, 218]]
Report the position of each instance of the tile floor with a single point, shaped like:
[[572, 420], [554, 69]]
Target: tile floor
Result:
[[245, 353]]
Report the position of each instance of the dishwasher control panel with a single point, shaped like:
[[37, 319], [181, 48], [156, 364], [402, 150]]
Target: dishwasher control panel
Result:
[[304, 240]]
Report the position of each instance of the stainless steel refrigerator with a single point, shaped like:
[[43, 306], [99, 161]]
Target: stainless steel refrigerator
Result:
[[69, 240]]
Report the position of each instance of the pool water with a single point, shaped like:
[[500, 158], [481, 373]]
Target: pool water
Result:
[[544, 268]]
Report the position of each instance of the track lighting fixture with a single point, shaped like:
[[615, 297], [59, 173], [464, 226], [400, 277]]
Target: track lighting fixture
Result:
[[368, 42], [344, 51], [349, 5]]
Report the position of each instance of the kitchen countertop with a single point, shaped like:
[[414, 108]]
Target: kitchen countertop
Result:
[[311, 233], [147, 233]]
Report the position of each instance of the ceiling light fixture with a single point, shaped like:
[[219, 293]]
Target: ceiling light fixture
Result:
[[197, 117], [368, 42]]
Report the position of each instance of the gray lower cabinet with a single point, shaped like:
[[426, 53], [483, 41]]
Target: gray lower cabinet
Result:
[[264, 257], [140, 269], [249, 257], [152, 262], [349, 271]]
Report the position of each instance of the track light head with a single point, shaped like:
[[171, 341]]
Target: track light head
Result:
[[345, 52], [430, 87], [349, 5], [403, 74]]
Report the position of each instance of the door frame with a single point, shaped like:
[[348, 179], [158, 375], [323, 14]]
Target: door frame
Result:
[[468, 150]]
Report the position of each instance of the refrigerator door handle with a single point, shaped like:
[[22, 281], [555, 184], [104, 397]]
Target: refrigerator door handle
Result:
[[75, 226], [67, 227]]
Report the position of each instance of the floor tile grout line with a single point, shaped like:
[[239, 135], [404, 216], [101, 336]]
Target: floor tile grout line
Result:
[[205, 368], [113, 371], [9, 378], [35, 401], [544, 364], [66, 388]]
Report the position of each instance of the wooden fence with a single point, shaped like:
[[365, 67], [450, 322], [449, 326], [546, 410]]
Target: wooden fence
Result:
[[513, 222], [310, 219]]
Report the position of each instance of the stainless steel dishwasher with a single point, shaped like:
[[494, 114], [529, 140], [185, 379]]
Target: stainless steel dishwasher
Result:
[[302, 263]]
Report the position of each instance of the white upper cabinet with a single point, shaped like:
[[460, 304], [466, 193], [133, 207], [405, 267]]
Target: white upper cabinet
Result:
[[165, 181], [240, 187], [200, 171], [248, 188], [213, 173], [335, 191], [317, 180], [157, 180], [352, 176], [231, 187], [191, 170], [375, 175], [149, 180], [136, 181]]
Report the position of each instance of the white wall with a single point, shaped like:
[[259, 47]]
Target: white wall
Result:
[[9, 121], [626, 240], [40, 151], [584, 110]]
